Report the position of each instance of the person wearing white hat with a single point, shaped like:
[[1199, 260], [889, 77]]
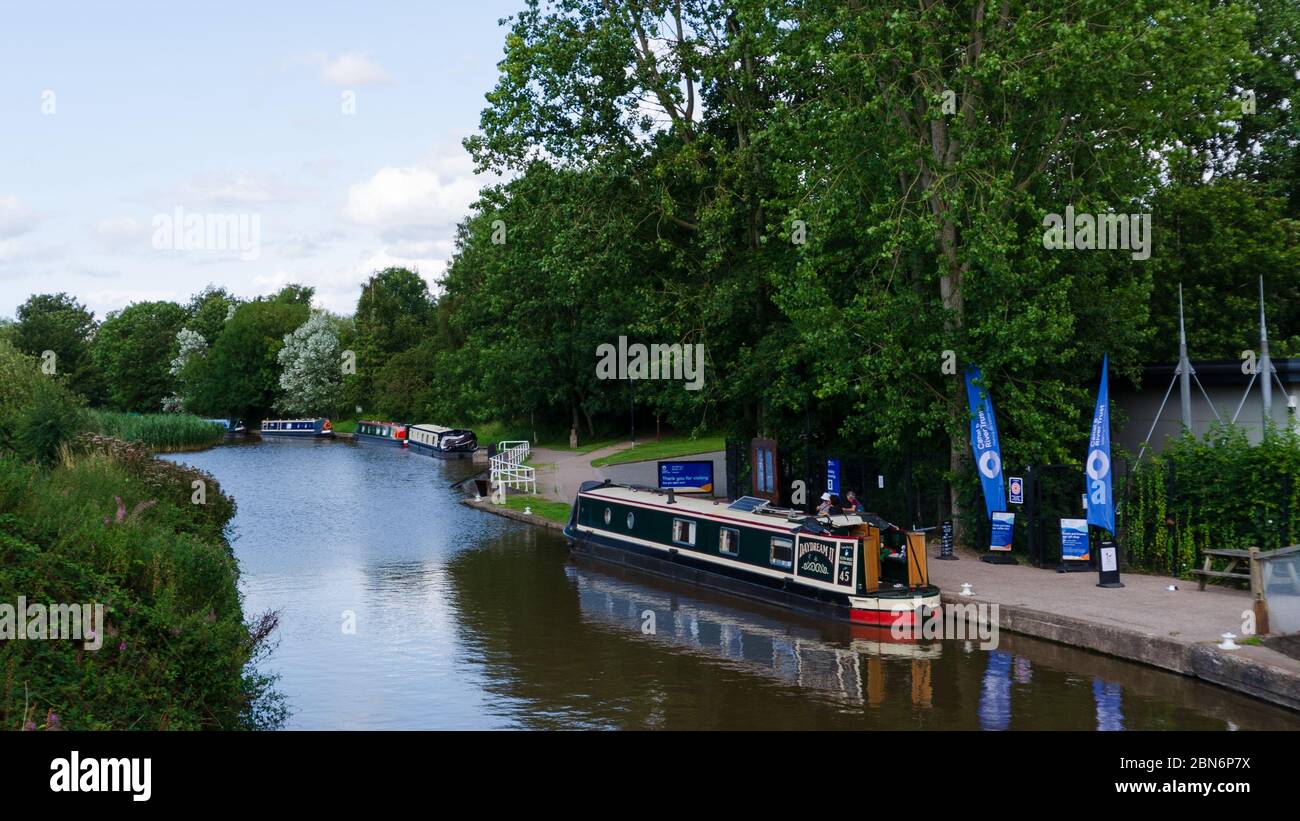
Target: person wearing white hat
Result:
[[825, 507]]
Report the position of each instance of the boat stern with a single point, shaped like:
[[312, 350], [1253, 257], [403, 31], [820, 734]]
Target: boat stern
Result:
[[905, 609]]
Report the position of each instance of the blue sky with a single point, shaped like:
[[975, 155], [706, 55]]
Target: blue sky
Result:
[[235, 109]]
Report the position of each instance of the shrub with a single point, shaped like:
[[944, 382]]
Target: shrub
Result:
[[110, 524]]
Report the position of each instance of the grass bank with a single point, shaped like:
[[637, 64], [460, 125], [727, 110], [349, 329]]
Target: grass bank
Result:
[[111, 525], [159, 431], [91, 520], [669, 447], [546, 508]]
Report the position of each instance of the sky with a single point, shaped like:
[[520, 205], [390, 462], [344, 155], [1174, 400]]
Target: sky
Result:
[[149, 149]]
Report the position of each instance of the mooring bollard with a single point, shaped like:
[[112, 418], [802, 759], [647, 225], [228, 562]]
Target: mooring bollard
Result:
[[965, 589]]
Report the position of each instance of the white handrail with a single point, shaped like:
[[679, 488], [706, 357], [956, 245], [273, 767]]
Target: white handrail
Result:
[[508, 468]]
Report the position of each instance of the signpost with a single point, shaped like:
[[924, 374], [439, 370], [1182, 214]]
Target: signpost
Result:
[[946, 541], [833, 476], [686, 477], [1017, 494], [1108, 571], [1074, 545], [1002, 530]]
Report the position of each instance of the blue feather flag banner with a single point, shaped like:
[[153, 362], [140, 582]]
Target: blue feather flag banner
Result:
[[1101, 504], [984, 442]]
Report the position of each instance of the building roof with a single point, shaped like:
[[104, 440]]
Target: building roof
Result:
[[1220, 372]]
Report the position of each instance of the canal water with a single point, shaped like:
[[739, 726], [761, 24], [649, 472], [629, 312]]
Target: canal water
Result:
[[468, 620]]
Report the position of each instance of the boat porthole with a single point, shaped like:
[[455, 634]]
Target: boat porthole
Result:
[[608, 515], [631, 520]]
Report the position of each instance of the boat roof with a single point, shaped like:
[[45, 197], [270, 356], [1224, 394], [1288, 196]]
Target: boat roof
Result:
[[438, 429], [744, 510], [377, 422], [313, 419]]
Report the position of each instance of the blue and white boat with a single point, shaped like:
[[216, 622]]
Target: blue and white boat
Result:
[[299, 428], [445, 443]]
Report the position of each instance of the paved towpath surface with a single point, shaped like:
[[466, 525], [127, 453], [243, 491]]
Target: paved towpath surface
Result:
[[560, 472], [1144, 620]]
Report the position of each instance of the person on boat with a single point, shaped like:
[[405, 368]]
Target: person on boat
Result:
[[830, 505], [852, 504], [824, 508]]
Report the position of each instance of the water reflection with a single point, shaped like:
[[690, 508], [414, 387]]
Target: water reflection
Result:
[[785, 651], [1110, 710]]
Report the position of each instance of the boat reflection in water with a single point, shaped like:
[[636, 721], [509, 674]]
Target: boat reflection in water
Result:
[[840, 661]]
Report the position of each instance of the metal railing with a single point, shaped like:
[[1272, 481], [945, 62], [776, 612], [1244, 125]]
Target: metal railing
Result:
[[508, 469]]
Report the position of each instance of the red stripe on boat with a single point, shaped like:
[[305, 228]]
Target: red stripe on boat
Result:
[[884, 618]]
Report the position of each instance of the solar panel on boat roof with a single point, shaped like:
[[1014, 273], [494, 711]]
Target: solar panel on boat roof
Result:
[[747, 503]]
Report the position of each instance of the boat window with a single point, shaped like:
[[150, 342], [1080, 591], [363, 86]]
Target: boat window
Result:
[[729, 541], [631, 520], [684, 531], [782, 552], [609, 514]]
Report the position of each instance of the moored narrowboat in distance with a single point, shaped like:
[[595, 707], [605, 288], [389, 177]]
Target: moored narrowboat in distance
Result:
[[299, 428], [233, 427], [851, 567], [381, 433], [445, 443]]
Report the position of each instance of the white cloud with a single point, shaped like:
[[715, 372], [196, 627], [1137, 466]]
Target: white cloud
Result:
[[118, 232], [408, 201], [354, 70], [350, 69], [15, 217], [232, 189]]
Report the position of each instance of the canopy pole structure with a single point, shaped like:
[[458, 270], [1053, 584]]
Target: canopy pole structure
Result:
[[1183, 376], [1264, 366]]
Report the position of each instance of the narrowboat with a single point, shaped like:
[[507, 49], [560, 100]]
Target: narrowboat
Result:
[[381, 433], [233, 427], [445, 443], [854, 568], [299, 428]]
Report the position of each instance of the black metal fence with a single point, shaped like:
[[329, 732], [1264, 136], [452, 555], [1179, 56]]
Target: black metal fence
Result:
[[891, 489]]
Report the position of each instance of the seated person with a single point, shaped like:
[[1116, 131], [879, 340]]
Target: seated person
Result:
[[830, 505], [824, 508], [852, 504]]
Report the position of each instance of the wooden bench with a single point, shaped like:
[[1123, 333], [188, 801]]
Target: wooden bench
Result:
[[1259, 572], [1234, 557], [1238, 557]]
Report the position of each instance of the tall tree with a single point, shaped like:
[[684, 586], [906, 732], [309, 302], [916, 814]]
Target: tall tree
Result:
[[62, 325], [240, 375], [312, 377], [394, 313], [133, 353]]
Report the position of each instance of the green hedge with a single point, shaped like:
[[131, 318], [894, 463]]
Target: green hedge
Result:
[[1219, 491]]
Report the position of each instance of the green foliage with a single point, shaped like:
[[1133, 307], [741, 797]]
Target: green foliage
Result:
[[1217, 240], [394, 314], [37, 413], [157, 431], [1219, 491], [59, 323], [240, 375], [133, 353], [311, 368], [112, 525], [208, 311]]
